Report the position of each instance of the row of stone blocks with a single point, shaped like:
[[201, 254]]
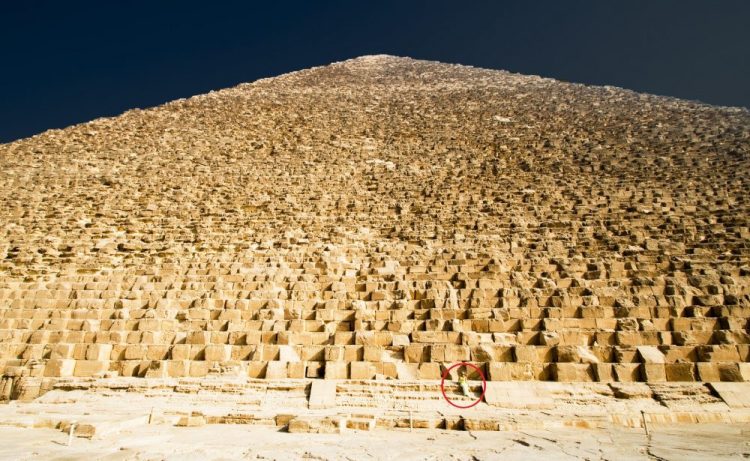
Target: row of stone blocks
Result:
[[480, 320], [567, 303], [410, 353], [494, 371], [17, 343]]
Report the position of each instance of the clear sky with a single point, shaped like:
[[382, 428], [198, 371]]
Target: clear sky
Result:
[[66, 62]]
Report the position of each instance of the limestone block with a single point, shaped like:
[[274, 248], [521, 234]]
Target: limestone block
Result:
[[653, 372], [334, 353], [197, 337], [276, 370], [450, 353], [336, 370], [407, 371], [178, 368], [416, 353], [374, 338], [198, 369], [708, 372], [525, 354], [322, 395], [296, 370], [736, 395], [680, 371], [288, 354], [718, 353], [744, 371], [88, 368], [730, 372], [627, 372], [511, 371], [650, 354], [135, 352], [444, 337], [218, 353], [61, 351], [604, 372], [572, 372], [429, 370], [255, 369], [180, 352], [158, 369], [157, 352], [362, 370], [575, 354], [315, 369], [492, 353], [60, 367]]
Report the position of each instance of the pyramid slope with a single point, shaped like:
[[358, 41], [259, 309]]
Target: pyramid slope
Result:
[[383, 216]]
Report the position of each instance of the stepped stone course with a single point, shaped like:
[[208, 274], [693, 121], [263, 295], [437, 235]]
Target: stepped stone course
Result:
[[381, 218]]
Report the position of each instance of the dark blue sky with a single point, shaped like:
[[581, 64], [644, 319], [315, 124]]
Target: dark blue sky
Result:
[[69, 62]]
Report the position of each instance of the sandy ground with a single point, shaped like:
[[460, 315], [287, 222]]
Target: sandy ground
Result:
[[225, 442]]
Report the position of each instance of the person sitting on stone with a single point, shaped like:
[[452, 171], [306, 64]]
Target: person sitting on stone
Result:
[[462, 382]]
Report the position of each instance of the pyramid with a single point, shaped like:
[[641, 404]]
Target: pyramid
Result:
[[381, 218]]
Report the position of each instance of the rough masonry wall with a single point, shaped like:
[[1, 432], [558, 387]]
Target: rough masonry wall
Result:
[[383, 217]]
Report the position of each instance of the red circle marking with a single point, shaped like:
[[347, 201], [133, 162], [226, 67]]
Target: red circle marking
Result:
[[445, 375]]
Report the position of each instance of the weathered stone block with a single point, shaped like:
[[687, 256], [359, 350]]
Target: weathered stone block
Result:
[[60, 367], [336, 370], [572, 372]]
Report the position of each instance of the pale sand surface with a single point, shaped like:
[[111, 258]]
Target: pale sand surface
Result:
[[157, 442]]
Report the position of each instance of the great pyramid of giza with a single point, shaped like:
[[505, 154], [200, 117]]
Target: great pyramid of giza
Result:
[[377, 221]]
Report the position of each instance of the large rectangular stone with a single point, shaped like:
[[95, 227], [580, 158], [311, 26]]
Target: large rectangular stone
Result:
[[680, 371], [218, 353], [98, 351], [362, 370], [276, 370], [87, 368], [336, 370], [653, 372], [572, 372], [59, 367]]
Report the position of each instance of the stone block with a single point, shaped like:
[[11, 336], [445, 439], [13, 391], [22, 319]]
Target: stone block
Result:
[[276, 370], [604, 372], [98, 351], [256, 369], [650, 354], [198, 369], [429, 371], [572, 372], [627, 372], [653, 372], [416, 353], [180, 352], [575, 354], [59, 368], [730, 372], [296, 370], [362, 370], [511, 371], [708, 372], [322, 395], [336, 370], [61, 351], [218, 353], [680, 371], [407, 371], [88, 368]]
